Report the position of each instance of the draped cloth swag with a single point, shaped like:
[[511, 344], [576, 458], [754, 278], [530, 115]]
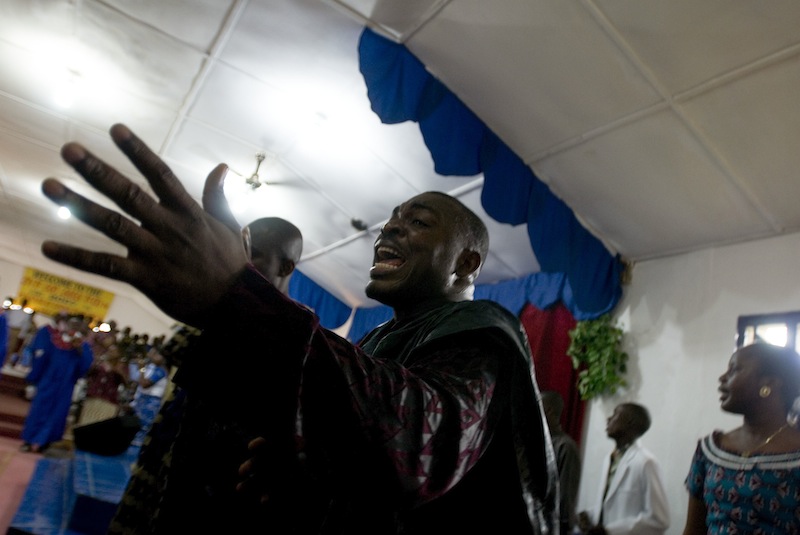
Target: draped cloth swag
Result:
[[548, 334], [331, 311], [576, 268], [401, 89]]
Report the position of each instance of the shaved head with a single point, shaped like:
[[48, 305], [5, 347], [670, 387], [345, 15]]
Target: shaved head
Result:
[[275, 249]]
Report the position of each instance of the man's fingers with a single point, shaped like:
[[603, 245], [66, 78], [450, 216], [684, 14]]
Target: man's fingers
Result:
[[214, 200], [108, 265], [256, 444], [165, 184], [105, 179], [246, 468], [106, 221], [110, 223], [255, 447], [178, 255]]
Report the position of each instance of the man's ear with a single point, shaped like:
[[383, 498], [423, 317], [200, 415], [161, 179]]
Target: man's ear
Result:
[[468, 265], [247, 241], [774, 383], [287, 267]]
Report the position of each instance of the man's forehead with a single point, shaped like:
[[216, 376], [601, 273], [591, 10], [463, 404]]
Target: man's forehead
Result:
[[426, 201], [745, 354]]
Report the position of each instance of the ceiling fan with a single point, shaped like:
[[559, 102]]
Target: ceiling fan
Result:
[[253, 180]]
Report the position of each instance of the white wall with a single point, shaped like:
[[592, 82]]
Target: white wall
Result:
[[680, 315]]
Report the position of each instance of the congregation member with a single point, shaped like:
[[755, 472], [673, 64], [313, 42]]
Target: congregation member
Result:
[[21, 327], [747, 480], [3, 338], [568, 459], [631, 499], [105, 380], [61, 356], [152, 381], [430, 425], [189, 460]]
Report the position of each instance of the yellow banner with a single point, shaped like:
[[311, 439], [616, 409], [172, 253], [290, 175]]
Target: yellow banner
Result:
[[49, 294]]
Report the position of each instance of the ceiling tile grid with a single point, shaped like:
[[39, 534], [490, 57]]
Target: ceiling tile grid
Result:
[[394, 19], [686, 43], [651, 188], [757, 137], [665, 126], [538, 73], [196, 24]]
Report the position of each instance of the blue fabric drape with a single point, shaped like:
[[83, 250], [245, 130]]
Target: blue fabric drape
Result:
[[401, 89], [542, 290], [331, 311], [366, 319], [576, 268]]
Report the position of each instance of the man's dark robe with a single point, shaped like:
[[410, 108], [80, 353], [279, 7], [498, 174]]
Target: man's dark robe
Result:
[[431, 425]]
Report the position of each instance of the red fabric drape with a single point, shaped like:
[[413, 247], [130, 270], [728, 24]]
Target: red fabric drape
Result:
[[548, 334]]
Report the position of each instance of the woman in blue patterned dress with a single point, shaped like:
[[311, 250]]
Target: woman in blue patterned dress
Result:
[[748, 480]]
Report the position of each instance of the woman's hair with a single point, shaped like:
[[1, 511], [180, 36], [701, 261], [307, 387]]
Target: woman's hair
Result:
[[780, 362]]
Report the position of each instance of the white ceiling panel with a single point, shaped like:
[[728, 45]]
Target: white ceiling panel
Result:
[[198, 26], [665, 126], [757, 137], [36, 125], [686, 43], [396, 19], [291, 42], [651, 188], [538, 73]]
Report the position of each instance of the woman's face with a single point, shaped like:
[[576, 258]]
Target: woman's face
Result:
[[740, 383]]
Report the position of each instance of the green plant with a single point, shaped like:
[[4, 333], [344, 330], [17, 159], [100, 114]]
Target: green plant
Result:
[[595, 351]]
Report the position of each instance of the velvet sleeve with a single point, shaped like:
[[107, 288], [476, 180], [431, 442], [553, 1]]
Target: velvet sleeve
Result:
[[420, 426], [248, 360]]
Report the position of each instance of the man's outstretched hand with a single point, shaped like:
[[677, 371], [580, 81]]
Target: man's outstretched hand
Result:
[[182, 257]]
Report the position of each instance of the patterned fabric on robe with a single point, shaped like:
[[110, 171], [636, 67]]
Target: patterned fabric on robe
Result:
[[432, 425]]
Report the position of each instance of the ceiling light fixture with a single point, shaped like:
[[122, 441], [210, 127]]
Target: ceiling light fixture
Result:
[[253, 181], [68, 90], [358, 224]]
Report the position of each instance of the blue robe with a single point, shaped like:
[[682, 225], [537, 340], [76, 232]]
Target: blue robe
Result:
[[3, 338], [55, 369]]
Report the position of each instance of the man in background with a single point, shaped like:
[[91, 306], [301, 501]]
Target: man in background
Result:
[[190, 458], [3, 337], [568, 459], [61, 356], [275, 249], [631, 499]]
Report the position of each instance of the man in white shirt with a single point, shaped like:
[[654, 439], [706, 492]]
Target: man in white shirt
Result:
[[631, 498]]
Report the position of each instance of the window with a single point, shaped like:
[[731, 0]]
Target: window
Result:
[[778, 329]]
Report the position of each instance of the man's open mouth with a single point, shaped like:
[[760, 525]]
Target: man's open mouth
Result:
[[387, 259]]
